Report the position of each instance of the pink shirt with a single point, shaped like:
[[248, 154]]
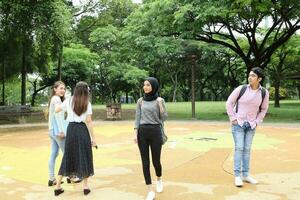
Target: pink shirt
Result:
[[248, 110]]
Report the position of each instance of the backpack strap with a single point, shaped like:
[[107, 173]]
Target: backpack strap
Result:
[[263, 94], [242, 91]]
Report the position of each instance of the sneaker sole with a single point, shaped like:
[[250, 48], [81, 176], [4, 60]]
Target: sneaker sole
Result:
[[250, 182]]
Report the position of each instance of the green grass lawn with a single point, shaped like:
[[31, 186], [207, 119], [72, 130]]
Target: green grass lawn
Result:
[[209, 110], [205, 110]]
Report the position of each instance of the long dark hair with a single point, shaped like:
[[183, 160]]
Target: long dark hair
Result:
[[80, 98]]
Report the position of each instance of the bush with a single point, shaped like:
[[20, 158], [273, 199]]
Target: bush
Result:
[[283, 93]]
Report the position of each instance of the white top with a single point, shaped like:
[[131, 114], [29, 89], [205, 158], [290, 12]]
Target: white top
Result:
[[55, 100], [72, 116]]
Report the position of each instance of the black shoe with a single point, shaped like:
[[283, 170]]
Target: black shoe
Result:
[[78, 180], [69, 180], [52, 183], [86, 191], [58, 191]]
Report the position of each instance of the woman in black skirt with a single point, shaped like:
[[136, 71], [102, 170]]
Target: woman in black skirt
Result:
[[78, 157], [150, 114]]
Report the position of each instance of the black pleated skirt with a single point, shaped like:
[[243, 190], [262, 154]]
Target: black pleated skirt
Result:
[[78, 156]]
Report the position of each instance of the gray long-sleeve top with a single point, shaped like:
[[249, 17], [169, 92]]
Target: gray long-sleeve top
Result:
[[148, 112]]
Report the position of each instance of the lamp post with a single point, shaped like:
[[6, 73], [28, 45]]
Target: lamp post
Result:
[[193, 58]]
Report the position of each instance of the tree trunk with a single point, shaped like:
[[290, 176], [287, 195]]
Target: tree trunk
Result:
[[23, 75], [201, 93], [174, 93], [215, 95], [277, 95], [34, 94], [33, 99], [193, 89], [36, 91], [175, 87], [249, 67], [3, 84], [126, 96], [298, 87], [114, 97], [60, 55]]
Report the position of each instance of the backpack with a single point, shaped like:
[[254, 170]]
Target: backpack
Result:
[[243, 90]]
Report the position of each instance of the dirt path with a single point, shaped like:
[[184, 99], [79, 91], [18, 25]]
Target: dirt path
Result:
[[197, 162]]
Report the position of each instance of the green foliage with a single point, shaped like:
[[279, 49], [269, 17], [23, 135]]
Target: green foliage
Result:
[[29, 34], [115, 74], [284, 63], [13, 94], [283, 93], [110, 13], [115, 44], [104, 38], [78, 64], [222, 22]]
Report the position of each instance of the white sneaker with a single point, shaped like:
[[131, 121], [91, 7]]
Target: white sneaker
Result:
[[159, 186], [150, 195], [238, 181], [249, 179]]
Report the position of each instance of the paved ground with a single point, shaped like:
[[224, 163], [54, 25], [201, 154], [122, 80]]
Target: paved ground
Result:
[[197, 162]]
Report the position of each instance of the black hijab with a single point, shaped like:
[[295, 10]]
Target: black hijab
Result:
[[154, 93]]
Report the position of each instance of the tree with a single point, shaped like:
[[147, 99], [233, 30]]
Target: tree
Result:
[[223, 22], [59, 28], [29, 22], [284, 63], [104, 13], [78, 64], [116, 74], [9, 58]]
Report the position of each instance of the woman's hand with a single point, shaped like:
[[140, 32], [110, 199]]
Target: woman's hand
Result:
[[135, 132], [61, 135], [57, 108], [94, 143], [160, 100], [234, 122]]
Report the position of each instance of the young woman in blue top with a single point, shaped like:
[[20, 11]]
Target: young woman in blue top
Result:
[[56, 124]]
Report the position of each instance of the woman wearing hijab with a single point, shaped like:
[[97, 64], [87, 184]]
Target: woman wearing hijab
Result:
[[150, 115]]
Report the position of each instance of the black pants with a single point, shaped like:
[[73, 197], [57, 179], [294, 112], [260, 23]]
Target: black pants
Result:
[[150, 135]]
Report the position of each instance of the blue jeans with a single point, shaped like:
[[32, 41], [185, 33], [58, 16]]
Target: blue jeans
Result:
[[56, 144], [243, 136]]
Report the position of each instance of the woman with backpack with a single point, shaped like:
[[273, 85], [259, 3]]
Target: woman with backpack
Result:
[[246, 107]]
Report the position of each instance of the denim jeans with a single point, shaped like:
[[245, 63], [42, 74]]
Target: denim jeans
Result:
[[56, 144], [243, 136]]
